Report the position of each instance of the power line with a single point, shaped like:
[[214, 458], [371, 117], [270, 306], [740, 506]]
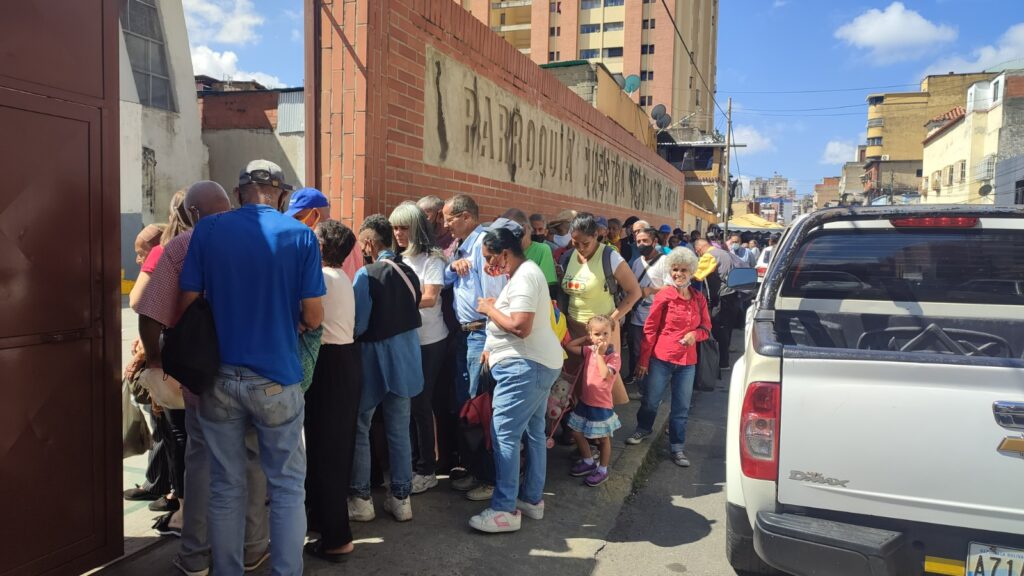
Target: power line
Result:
[[819, 91], [801, 109], [689, 53]]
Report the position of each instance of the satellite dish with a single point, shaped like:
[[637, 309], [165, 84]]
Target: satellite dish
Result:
[[985, 190], [631, 84], [658, 111], [664, 121]]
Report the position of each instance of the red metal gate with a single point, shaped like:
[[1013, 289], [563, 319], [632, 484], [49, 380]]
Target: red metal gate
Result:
[[60, 474]]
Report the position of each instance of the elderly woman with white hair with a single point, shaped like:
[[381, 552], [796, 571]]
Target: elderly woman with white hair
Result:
[[668, 356]]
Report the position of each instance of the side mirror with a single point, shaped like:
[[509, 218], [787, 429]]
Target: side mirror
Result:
[[743, 279]]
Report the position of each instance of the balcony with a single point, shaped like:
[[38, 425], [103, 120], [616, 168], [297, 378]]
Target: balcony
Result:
[[876, 123], [511, 4], [511, 27]]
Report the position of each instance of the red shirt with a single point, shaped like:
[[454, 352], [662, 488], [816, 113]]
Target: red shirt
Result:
[[159, 300], [597, 391], [152, 258], [671, 318]]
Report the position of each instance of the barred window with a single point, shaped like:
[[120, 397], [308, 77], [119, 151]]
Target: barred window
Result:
[[144, 40]]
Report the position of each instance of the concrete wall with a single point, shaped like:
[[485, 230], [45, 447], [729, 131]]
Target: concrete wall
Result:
[[231, 149], [377, 141]]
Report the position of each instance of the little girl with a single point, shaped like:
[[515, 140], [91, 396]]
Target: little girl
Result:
[[593, 417]]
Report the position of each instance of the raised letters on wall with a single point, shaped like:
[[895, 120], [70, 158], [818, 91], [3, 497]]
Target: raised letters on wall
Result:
[[471, 125]]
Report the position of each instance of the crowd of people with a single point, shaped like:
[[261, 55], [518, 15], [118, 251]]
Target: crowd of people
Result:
[[345, 357]]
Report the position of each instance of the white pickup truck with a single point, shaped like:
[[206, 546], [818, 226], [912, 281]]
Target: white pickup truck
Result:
[[876, 419]]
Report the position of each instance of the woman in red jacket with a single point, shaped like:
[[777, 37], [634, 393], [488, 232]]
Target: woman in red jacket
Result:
[[678, 320]]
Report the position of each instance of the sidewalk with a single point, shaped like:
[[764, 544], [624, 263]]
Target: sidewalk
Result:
[[438, 541]]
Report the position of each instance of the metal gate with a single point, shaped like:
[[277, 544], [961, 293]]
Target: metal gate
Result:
[[60, 453]]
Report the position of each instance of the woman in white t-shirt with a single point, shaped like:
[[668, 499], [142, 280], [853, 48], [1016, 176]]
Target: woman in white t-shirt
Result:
[[414, 240], [525, 358]]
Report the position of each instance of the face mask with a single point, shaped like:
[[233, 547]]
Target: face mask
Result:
[[538, 237], [646, 251], [600, 239], [367, 260], [562, 241]]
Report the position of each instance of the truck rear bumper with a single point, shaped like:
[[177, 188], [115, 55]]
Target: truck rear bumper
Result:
[[802, 545]]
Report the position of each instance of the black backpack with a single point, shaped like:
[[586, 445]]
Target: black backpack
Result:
[[611, 285]]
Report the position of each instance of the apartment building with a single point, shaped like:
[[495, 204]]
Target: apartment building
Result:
[[634, 37]]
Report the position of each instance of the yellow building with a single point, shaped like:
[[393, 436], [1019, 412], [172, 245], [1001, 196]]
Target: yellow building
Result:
[[962, 147]]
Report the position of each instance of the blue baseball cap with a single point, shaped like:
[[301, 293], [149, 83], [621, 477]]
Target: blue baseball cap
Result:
[[304, 199], [665, 229], [601, 221]]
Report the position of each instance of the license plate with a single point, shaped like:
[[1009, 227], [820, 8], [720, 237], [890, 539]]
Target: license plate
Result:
[[986, 560]]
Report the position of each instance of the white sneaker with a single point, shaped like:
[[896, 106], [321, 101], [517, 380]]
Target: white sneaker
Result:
[[480, 493], [360, 510], [532, 511], [421, 484], [493, 522], [400, 509]]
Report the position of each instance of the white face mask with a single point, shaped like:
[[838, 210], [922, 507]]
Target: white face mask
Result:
[[563, 241]]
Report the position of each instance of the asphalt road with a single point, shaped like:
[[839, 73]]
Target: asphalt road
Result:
[[675, 521]]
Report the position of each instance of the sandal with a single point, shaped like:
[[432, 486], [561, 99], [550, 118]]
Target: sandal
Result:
[[316, 549]]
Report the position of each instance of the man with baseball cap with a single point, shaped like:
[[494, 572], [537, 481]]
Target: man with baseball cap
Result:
[[259, 270], [309, 206]]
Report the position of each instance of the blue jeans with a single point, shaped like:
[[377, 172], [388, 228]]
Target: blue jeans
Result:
[[520, 401], [468, 348], [240, 398], [659, 374], [396, 426]]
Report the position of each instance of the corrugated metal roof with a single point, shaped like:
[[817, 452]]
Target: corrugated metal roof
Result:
[[291, 112]]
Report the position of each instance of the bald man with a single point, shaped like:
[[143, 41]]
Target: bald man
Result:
[[158, 308]]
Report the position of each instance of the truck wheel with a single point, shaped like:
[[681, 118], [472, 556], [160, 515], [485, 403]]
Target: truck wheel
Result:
[[739, 550]]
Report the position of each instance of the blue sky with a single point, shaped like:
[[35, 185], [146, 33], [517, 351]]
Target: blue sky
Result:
[[763, 46]]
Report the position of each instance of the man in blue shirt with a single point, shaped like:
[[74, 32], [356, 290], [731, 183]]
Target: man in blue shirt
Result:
[[468, 274], [260, 272]]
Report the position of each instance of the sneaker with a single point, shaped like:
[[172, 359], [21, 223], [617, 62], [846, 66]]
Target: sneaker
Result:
[[493, 522], [421, 484], [360, 509], [180, 565], [637, 437], [163, 526], [532, 511], [581, 468], [255, 564], [480, 493], [680, 459], [400, 509], [596, 478], [635, 395], [465, 484]]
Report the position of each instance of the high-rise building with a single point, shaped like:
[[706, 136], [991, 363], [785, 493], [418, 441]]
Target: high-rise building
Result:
[[634, 38]]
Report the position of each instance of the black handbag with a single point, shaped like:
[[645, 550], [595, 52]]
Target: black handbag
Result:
[[707, 362], [191, 354]]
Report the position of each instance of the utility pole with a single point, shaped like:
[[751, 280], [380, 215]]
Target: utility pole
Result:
[[726, 157], [892, 183]]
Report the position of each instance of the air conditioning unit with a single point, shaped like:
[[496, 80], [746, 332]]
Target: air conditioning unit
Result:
[[885, 157]]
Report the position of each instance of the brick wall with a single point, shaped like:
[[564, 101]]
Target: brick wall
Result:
[[224, 110], [366, 151]]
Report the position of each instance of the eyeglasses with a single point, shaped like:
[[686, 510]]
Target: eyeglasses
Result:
[[453, 217]]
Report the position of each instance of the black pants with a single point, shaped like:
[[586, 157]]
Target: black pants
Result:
[[446, 414], [722, 324], [433, 357], [332, 407], [175, 438]]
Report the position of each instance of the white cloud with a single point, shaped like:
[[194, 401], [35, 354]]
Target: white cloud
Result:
[[222, 21], [779, 3], [296, 35], [1009, 47], [838, 152], [756, 142], [894, 34], [224, 66]]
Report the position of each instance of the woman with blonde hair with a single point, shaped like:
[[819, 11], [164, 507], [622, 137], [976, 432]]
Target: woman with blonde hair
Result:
[[414, 240]]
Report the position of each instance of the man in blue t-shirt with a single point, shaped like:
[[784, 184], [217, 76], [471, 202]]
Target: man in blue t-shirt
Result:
[[260, 272]]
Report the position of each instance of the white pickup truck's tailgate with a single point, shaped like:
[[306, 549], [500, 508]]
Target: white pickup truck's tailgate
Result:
[[901, 440]]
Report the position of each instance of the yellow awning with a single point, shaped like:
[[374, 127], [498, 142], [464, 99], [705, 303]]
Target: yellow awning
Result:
[[753, 221]]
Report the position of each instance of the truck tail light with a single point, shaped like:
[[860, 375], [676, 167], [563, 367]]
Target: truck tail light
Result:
[[761, 270], [935, 222], [759, 431]]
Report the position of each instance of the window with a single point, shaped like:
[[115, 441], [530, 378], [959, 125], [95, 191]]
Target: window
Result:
[[995, 92], [1018, 192], [556, 7], [144, 39], [920, 171], [589, 54], [648, 24], [949, 175], [911, 265], [691, 82], [875, 100], [647, 48], [501, 19], [590, 4], [613, 26], [555, 31], [646, 75], [613, 52], [614, 2], [962, 171], [645, 100], [554, 56], [649, 1], [589, 28], [875, 141]]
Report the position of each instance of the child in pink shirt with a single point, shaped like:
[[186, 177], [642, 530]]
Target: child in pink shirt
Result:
[[593, 417]]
